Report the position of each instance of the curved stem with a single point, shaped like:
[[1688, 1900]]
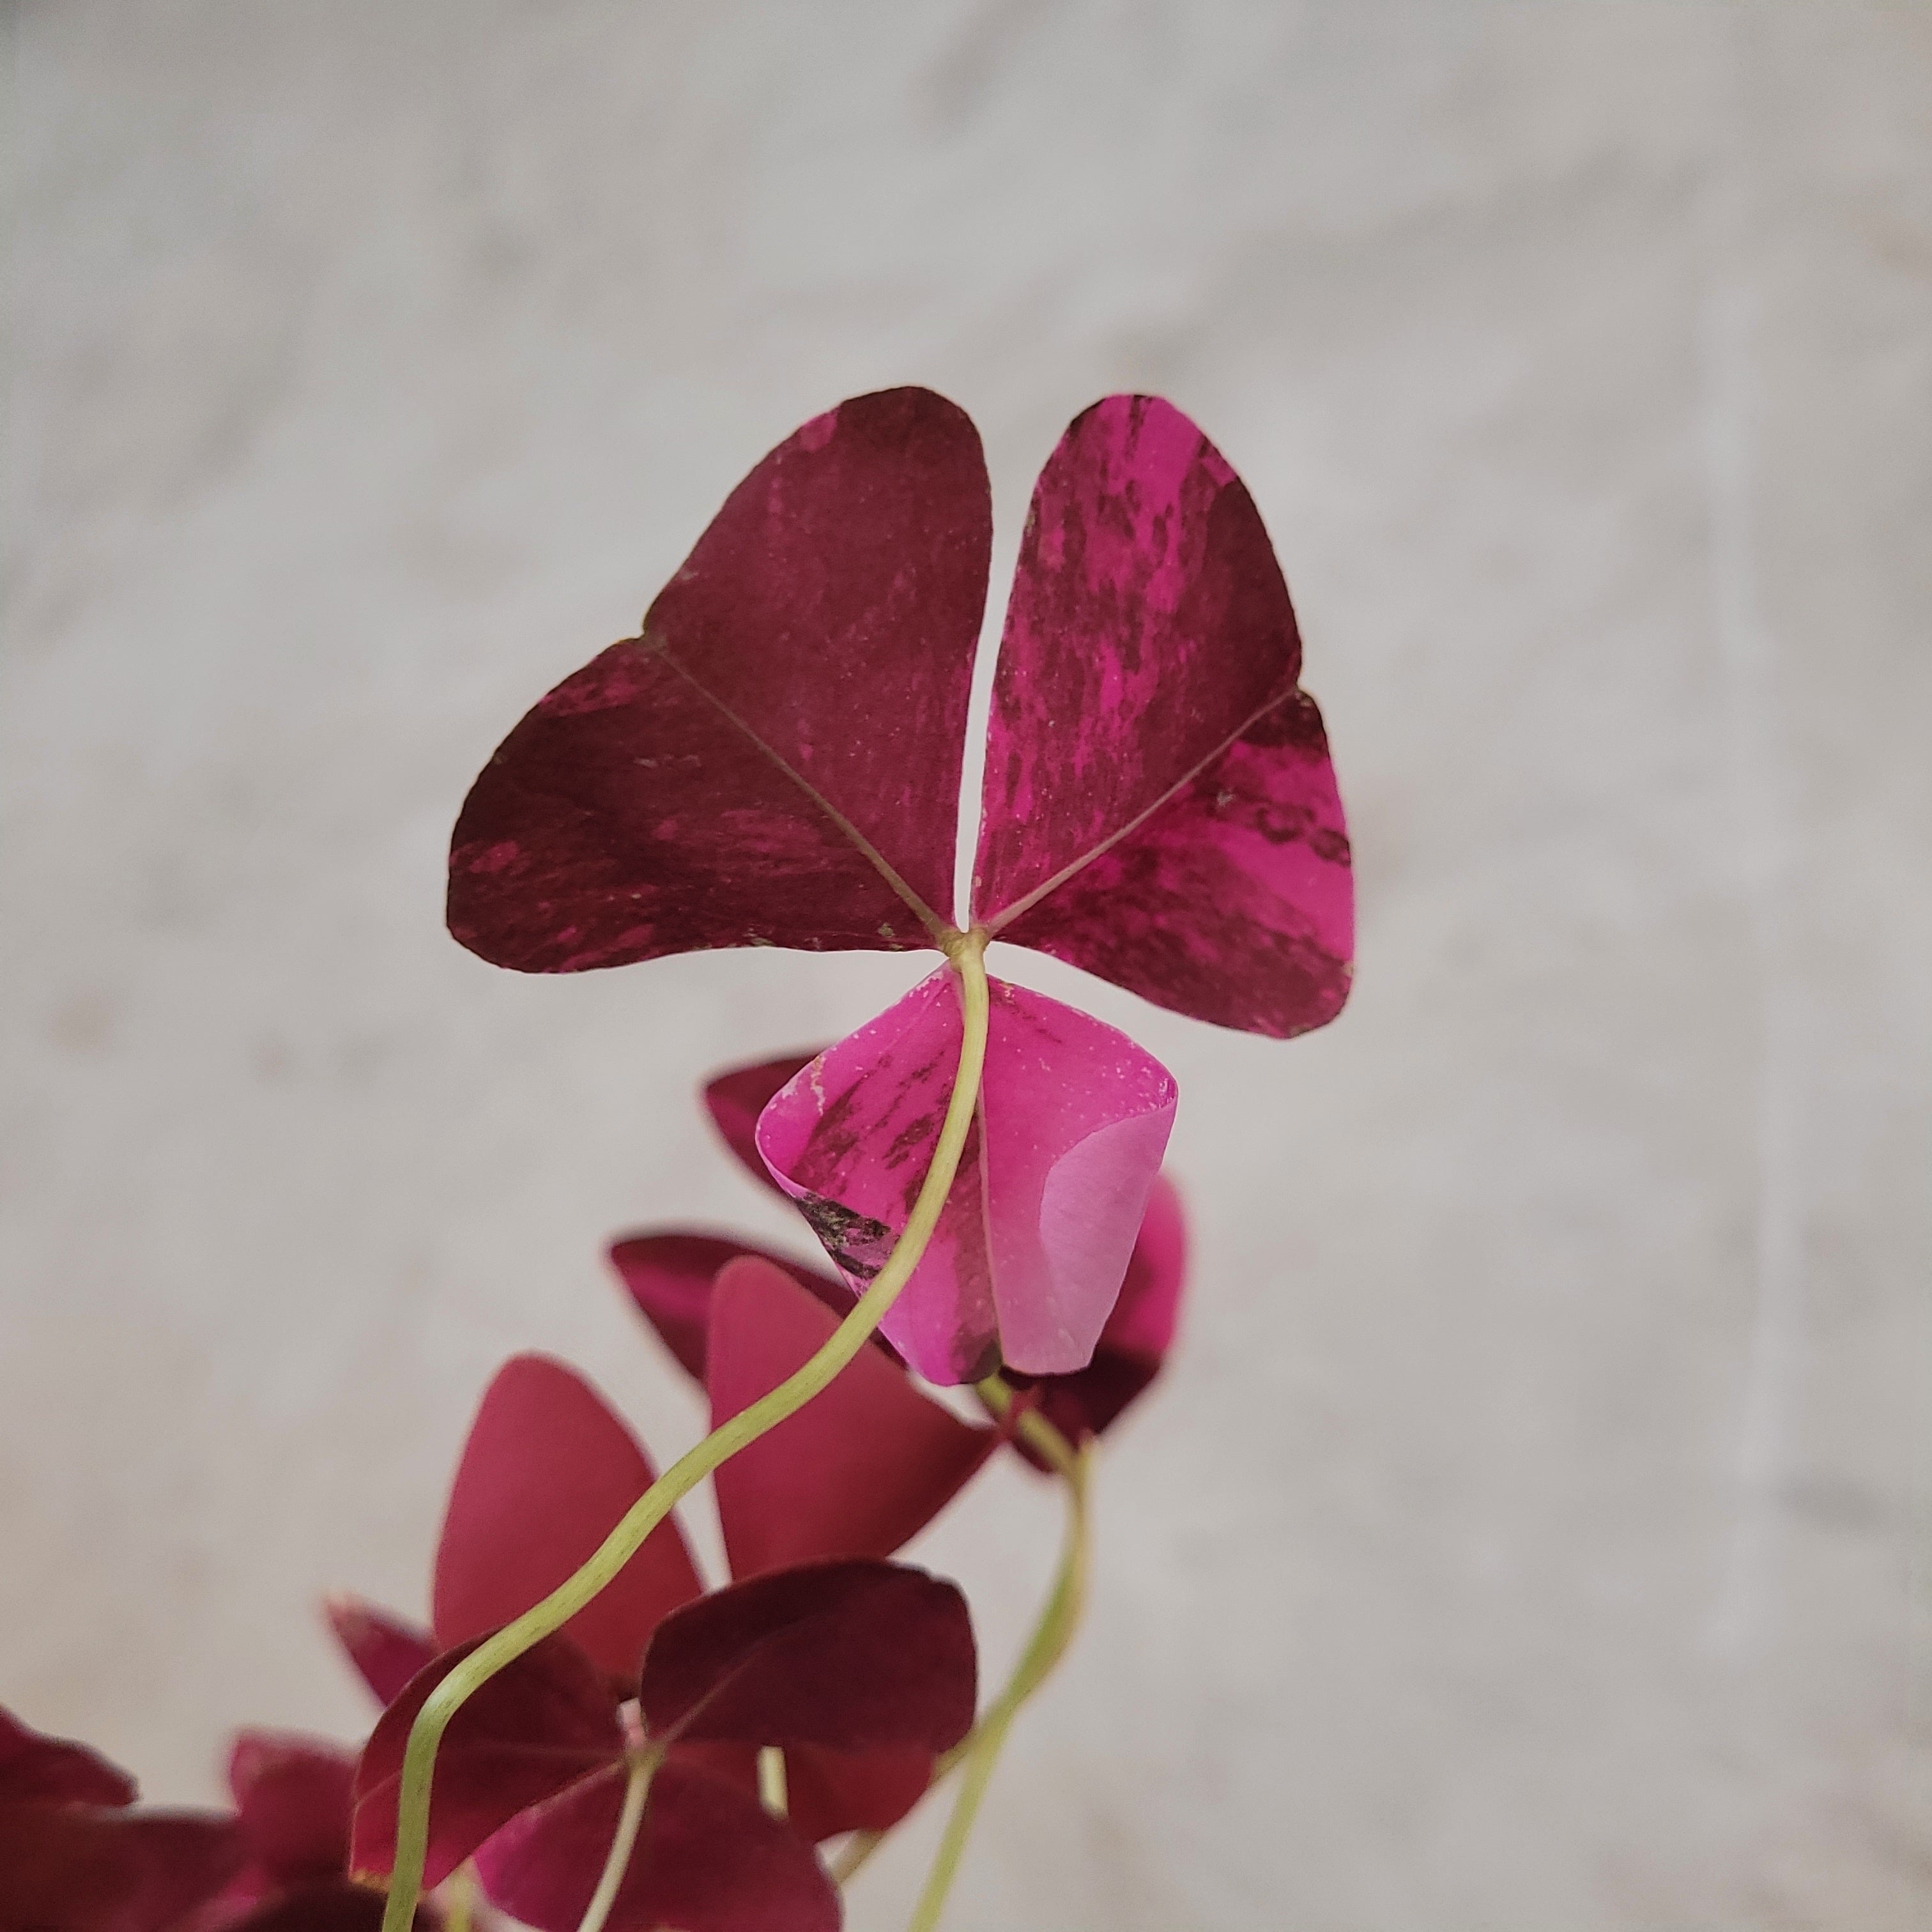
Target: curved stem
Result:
[[967, 951], [630, 1819], [1051, 1637], [1052, 1632]]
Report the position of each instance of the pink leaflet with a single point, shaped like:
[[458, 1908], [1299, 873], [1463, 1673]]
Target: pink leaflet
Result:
[[546, 1474], [1139, 1334], [854, 1656], [858, 1471], [669, 1271], [1159, 808], [1034, 1240], [708, 1859], [803, 678], [55, 1771], [386, 1652], [541, 1722], [292, 1797]]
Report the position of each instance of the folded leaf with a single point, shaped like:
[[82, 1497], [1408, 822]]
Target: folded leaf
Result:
[[1139, 1334], [707, 1859], [857, 1471], [541, 1724], [546, 1474], [292, 1797], [776, 759], [669, 1273], [55, 1771], [1158, 806], [1033, 1245], [735, 1098], [386, 1652], [81, 1868], [853, 1656]]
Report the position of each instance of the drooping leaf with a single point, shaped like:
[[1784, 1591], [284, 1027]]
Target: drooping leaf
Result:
[[87, 1868], [853, 1656], [539, 1724], [669, 1272], [776, 759], [1139, 1334], [386, 1652], [707, 1859], [546, 1474], [1032, 1247], [858, 1471], [1159, 805], [292, 1795], [55, 1771], [736, 1098]]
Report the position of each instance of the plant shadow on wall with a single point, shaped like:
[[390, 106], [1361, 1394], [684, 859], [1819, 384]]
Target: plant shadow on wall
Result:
[[585, 1736]]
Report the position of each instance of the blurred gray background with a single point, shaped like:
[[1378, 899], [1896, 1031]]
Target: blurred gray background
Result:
[[1524, 1537]]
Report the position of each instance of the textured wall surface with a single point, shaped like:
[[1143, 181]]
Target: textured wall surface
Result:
[[1524, 1535]]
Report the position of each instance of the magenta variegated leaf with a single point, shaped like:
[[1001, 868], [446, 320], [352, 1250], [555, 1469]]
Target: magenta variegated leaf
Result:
[[546, 1474], [1032, 1246], [539, 1724], [1158, 806], [386, 1651], [708, 1858], [858, 1471], [854, 1656], [1134, 1344], [776, 759]]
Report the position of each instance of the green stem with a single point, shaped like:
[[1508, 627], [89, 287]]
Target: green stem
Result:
[[1051, 1637], [1051, 1633], [772, 1793], [967, 953], [630, 1819]]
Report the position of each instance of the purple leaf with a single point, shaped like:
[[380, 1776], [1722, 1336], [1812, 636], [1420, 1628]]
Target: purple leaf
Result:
[[54, 1770], [1159, 808], [853, 1656], [736, 1098], [386, 1652], [333, 1905], [826, 1792], [670, 1274], [858, 1471], [80, 1868], [776, 759], [541, 1722], [293, 1796], [707, 1859], [546, 1474], [1034, 1240]]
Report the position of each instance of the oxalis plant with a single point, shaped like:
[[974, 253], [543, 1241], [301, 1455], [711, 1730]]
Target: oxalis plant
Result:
[[586, 1737]]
